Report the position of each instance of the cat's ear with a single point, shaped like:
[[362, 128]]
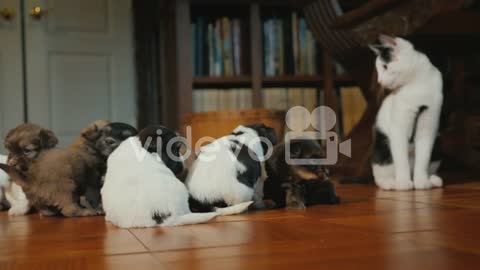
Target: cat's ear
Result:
[[374, 49], [388, 40]]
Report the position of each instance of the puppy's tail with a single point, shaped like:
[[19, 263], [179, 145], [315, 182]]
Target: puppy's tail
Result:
[[15, 176], [187, 219], [234, 209]]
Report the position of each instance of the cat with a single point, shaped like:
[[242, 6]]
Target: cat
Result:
[[407, 122]]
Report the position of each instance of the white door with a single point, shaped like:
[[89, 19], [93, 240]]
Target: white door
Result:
[[11, 86], [79, 63]]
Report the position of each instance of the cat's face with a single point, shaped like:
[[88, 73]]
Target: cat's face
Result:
[[395, 61]]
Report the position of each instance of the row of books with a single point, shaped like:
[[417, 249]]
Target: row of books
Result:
[[351, 102], [219, 46], [289, 47], [205, 100]]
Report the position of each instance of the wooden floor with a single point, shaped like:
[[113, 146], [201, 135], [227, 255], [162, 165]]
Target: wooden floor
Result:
[[371, 229]]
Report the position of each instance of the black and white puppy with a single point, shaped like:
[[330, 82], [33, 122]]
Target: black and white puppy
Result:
[[298, 186], [141, 189], [228, 171]]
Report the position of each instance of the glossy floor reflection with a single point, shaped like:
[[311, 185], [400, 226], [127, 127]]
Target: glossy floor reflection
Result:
[[371, 229]]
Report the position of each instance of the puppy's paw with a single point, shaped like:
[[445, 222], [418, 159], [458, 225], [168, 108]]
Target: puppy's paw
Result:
[[296, 205], [422, 184], [385, 184], [403, 185], [18, 211], [436, 180]]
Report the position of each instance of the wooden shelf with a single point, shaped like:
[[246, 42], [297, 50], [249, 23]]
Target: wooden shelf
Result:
[[269, 81], [222, 82], [302, 81]]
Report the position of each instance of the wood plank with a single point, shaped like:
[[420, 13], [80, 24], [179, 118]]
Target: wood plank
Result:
[[370, 229]]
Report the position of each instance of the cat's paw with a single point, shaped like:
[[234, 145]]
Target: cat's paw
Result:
[[436, 180], [403, 185], [422, 184], [385, 184]]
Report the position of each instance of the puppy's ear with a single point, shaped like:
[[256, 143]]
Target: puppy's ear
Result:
[[129, 133], [47, 138], [271, 135], [93, 131]]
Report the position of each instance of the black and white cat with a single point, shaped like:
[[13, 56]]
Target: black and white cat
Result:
[[230, 170], [407, 122]]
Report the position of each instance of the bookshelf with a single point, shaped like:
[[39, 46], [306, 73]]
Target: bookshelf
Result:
[[209, 15]]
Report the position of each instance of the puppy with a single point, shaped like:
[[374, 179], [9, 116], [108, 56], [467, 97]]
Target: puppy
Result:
[[25, 143], [228, 171], [4, 182], [57, 179], [141, 189], [298, 186], [111, 136]]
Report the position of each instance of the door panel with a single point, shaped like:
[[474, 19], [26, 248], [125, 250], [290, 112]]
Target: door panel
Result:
[[79, 64], [11, 87]]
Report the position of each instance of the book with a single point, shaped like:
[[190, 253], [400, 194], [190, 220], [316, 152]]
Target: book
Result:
[[288, 58], [275, 98], [200, 29], [211, 97], [295, 97], [280, 48], [245, 99], [310, 53], [310, 98], [218, 48], [198, 101], [211, 50], [302, 25], [205, 100], [236, 33], [227, 47], [296, 45]]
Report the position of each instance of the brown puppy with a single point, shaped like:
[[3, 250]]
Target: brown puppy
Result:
[[298, 186], [25, 143], [57, 179]]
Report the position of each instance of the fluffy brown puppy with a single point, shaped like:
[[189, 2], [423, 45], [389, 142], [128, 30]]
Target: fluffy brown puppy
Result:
[[24, 143], [58, 178]]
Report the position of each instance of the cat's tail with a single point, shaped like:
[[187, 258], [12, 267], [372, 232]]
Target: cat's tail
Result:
[[357, 180], [15, 176], [234, 209], [188, 219]]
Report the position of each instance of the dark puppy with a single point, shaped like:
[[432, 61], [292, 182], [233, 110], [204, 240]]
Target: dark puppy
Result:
[[24, 143], [58, 178], [111, 136], [297, 186], [164, 145]]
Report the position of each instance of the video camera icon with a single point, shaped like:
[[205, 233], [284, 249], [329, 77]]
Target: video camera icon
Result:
[[322, 119]]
